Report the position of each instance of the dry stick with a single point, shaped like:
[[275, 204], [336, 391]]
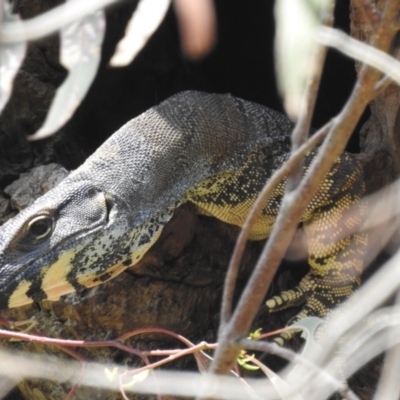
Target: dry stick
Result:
[[303, 125], [360, 51], [382, 85], [277, 177], [294, 204], [184, 352], [293, 169], [67, 343], [388, 385], [376, 335], [295, 358]]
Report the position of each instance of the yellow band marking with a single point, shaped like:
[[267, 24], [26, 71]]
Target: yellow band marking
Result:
[[55, 282], [19, 297]]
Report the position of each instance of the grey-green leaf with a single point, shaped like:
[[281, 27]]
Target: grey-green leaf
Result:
[[11, 57], [311, 349], [296, 26], [80, 53], [145, 20]]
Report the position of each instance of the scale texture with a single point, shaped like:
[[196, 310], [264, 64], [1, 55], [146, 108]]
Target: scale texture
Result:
[[215, 151]]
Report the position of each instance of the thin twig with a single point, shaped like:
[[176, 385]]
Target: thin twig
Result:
[[293, 205], [293, 169], [303, 125], [67, 343], [389, 385], [272, 348], [182, 384], [277, 177], [372, 294], [184, 352], [360, 51], [382, 85], [364, 342]]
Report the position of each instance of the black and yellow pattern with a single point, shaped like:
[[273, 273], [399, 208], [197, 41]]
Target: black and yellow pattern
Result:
[[335, 257], [215, 151]]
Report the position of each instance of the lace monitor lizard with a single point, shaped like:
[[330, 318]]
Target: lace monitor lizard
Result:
[[215, 151]]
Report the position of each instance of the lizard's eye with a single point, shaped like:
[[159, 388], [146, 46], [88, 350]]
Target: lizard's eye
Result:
[[40, 227]]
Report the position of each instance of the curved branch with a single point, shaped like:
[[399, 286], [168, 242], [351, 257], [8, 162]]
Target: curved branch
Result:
[[230, 281]]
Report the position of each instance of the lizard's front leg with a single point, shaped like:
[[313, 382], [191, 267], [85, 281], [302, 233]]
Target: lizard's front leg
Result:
[[336, 247]]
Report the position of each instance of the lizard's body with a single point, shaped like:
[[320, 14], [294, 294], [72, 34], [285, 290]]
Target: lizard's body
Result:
[[212, 150]]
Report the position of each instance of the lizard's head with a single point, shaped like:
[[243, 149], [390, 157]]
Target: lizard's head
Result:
[[60, 243]]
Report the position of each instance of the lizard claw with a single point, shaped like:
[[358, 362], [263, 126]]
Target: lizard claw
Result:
[[319, 296], [288, 298]]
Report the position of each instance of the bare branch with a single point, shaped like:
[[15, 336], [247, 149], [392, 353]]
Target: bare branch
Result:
[[272, 348], [294, 204], [360, 51], [389, 384], [303, 125], [372, 336], [277, 177], [24, 366]]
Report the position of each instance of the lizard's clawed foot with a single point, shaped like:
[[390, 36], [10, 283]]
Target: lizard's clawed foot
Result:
[[319, 294]]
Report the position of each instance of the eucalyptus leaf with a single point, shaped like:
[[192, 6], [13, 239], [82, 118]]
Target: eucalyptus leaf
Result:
[[296, 27], [283, 388], [50, 21], [145, 20], [80, 53], [11, 57], [311, 349]]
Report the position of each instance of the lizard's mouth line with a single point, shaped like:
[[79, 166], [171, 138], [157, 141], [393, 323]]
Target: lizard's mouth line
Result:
[[55, 271]]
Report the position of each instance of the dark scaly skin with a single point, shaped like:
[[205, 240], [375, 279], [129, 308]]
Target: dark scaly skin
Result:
[[335, 259], [212, 150]]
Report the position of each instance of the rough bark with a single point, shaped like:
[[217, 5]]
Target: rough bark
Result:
[[379, 136]]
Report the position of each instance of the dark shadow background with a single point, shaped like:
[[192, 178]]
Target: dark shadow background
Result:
[[241, 64]]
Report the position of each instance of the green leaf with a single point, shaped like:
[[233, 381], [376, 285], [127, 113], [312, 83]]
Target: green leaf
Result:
[[256, 334], [243, 362]]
